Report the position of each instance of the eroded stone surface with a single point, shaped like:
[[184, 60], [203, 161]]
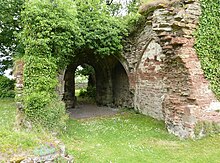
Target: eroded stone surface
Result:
[[166, 77]]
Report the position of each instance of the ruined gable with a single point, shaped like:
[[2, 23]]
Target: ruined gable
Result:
[[165, 72]]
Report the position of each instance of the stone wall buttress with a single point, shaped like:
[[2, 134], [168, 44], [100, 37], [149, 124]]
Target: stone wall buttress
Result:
[[172, 88]]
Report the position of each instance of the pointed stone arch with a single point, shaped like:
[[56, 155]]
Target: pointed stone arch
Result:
[[112, 81]]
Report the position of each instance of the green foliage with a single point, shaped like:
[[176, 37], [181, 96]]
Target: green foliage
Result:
[[41, 104], [115, 8], [6, 87], [50, 29], [133, 22], [89, 92], [41, 111], [49, 37], [123, 8], [89, 71], [9, 24], [85, 70], [101, 32], [133, 6], [40, 74], [208, 41], [82, 93]]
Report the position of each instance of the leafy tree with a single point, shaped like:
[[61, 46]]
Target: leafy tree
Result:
[[9, 24], [132, 6], [115, 8], [85, 70]]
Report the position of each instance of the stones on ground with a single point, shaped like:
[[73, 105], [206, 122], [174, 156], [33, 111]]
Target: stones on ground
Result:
[[47, 154]]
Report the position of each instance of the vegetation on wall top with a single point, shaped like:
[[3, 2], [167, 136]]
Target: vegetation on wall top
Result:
[[53, 33], [101, 32]]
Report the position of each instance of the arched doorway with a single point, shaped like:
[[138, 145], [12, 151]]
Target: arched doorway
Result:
[[85, 84], [111, 82]]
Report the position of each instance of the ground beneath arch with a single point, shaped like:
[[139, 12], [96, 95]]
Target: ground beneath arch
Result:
[[91, 110]]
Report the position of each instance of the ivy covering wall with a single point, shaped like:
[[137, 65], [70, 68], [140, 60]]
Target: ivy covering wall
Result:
[[208, 42], [53, 33], [48, 37]]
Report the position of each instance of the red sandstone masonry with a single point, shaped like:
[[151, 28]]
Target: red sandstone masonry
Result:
[[183, 87]]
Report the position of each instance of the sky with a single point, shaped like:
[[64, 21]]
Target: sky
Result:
[[7, 73]]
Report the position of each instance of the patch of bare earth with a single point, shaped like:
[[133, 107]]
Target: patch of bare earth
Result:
[[91, 110]]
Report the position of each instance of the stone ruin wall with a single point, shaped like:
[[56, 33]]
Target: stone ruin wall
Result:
[[164, 70], [18, 73], [166, 81]]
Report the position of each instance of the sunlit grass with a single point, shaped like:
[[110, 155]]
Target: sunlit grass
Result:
[[133, 137], [17, 142], [83, 99]]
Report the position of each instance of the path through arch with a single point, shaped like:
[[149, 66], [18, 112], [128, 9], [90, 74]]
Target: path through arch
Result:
[[112, 87]]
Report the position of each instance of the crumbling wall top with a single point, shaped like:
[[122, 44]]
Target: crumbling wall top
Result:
[[151, 6]]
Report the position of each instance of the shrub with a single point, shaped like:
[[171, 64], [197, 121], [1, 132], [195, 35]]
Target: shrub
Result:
[[41, 110], [82, 93], [89, 92], [42, 106], [6, 87]]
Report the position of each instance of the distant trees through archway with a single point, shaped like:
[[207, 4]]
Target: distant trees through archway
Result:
[[103, 79]]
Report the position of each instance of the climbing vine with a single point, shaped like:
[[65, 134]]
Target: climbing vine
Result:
[[208, 42], [49, 37]]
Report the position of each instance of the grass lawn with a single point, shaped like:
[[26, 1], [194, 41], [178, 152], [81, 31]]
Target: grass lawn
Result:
[[17, 142], [125, 138]]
